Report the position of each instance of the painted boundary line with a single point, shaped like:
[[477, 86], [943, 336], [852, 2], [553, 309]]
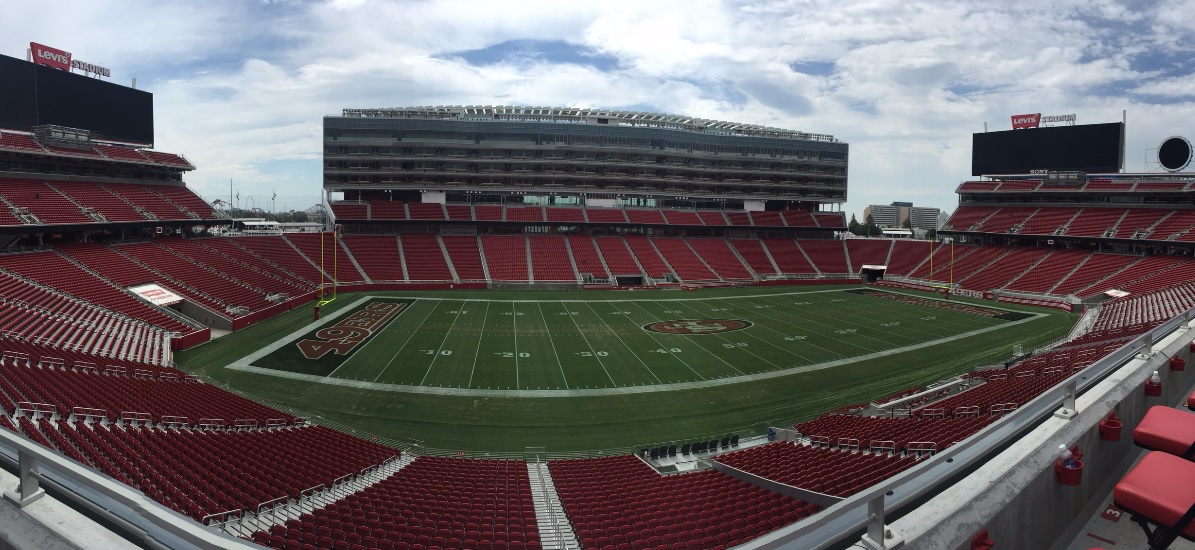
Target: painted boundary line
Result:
[[244, 365]]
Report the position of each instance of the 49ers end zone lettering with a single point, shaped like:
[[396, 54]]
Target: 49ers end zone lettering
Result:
[[342, 337], [697, 326]]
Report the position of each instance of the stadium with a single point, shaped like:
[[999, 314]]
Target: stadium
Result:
[[552, 327]]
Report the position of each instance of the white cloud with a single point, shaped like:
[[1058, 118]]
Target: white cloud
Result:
[[240, 88]]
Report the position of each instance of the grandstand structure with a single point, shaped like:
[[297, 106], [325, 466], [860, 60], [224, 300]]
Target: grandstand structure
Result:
[[92, 407], [553, 191]]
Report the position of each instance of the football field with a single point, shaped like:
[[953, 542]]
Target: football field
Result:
[[499, 371], [535, 345]]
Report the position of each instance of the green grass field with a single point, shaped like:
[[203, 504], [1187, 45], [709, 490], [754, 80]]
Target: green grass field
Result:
[[502, 371]]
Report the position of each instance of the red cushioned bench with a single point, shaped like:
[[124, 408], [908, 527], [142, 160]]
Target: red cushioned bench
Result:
[[1168, 430], [1191, 401], [1160, 490]]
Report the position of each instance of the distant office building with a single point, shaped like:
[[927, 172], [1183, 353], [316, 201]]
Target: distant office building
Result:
[[924, 218], [898, 214]]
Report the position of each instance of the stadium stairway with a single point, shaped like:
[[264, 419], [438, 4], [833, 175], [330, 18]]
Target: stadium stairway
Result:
[[402, 258], [456, 276], [349, 253], [293, 509], [555, 530]]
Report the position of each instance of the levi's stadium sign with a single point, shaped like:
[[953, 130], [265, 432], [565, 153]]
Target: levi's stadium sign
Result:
[[1035, 119], [1025, 121], [58, 59]]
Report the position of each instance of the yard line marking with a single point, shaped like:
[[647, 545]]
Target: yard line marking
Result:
[[480, 337], [441, 346], [358, 350], [551, 340], [590, 346], [407, 341], [624, 344], [514, 319]]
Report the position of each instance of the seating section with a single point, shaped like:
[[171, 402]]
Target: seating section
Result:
[[234, 251], [214, 289], [43, 201], [1134, 272], [112, 392], [377, 255], [424, 258], [387, 210], [203, 472], [1096, 267], [35, 313], [606, 215], [19, 142], [350, 210], [261, 282], [836, 472], [280, 252], [718, 255], [459, 212], [335, 260], [524, 213], [186, 200], [646, 216], [714, 217], [830, 220], [586, 255], [550, 258], [426, 211], [622, 501], [147, 200], [752, 252], [430, 503], [828, 256], [908, 255], [465, 255], [506, 257], [646, 254], [53, 269], [682, 217], [565, 215], [1047, 220], [1006, 219], [1006, 268], [789, 257], [618, 256], [99, 198], [868, 252], [766, 219], [1049, 272], [965, 216], [686, 264], [1093, 222]]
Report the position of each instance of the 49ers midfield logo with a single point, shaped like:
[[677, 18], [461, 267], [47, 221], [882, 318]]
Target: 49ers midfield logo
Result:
[[697, 326]]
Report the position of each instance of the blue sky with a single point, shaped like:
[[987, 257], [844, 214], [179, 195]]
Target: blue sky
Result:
[[240, 87]]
